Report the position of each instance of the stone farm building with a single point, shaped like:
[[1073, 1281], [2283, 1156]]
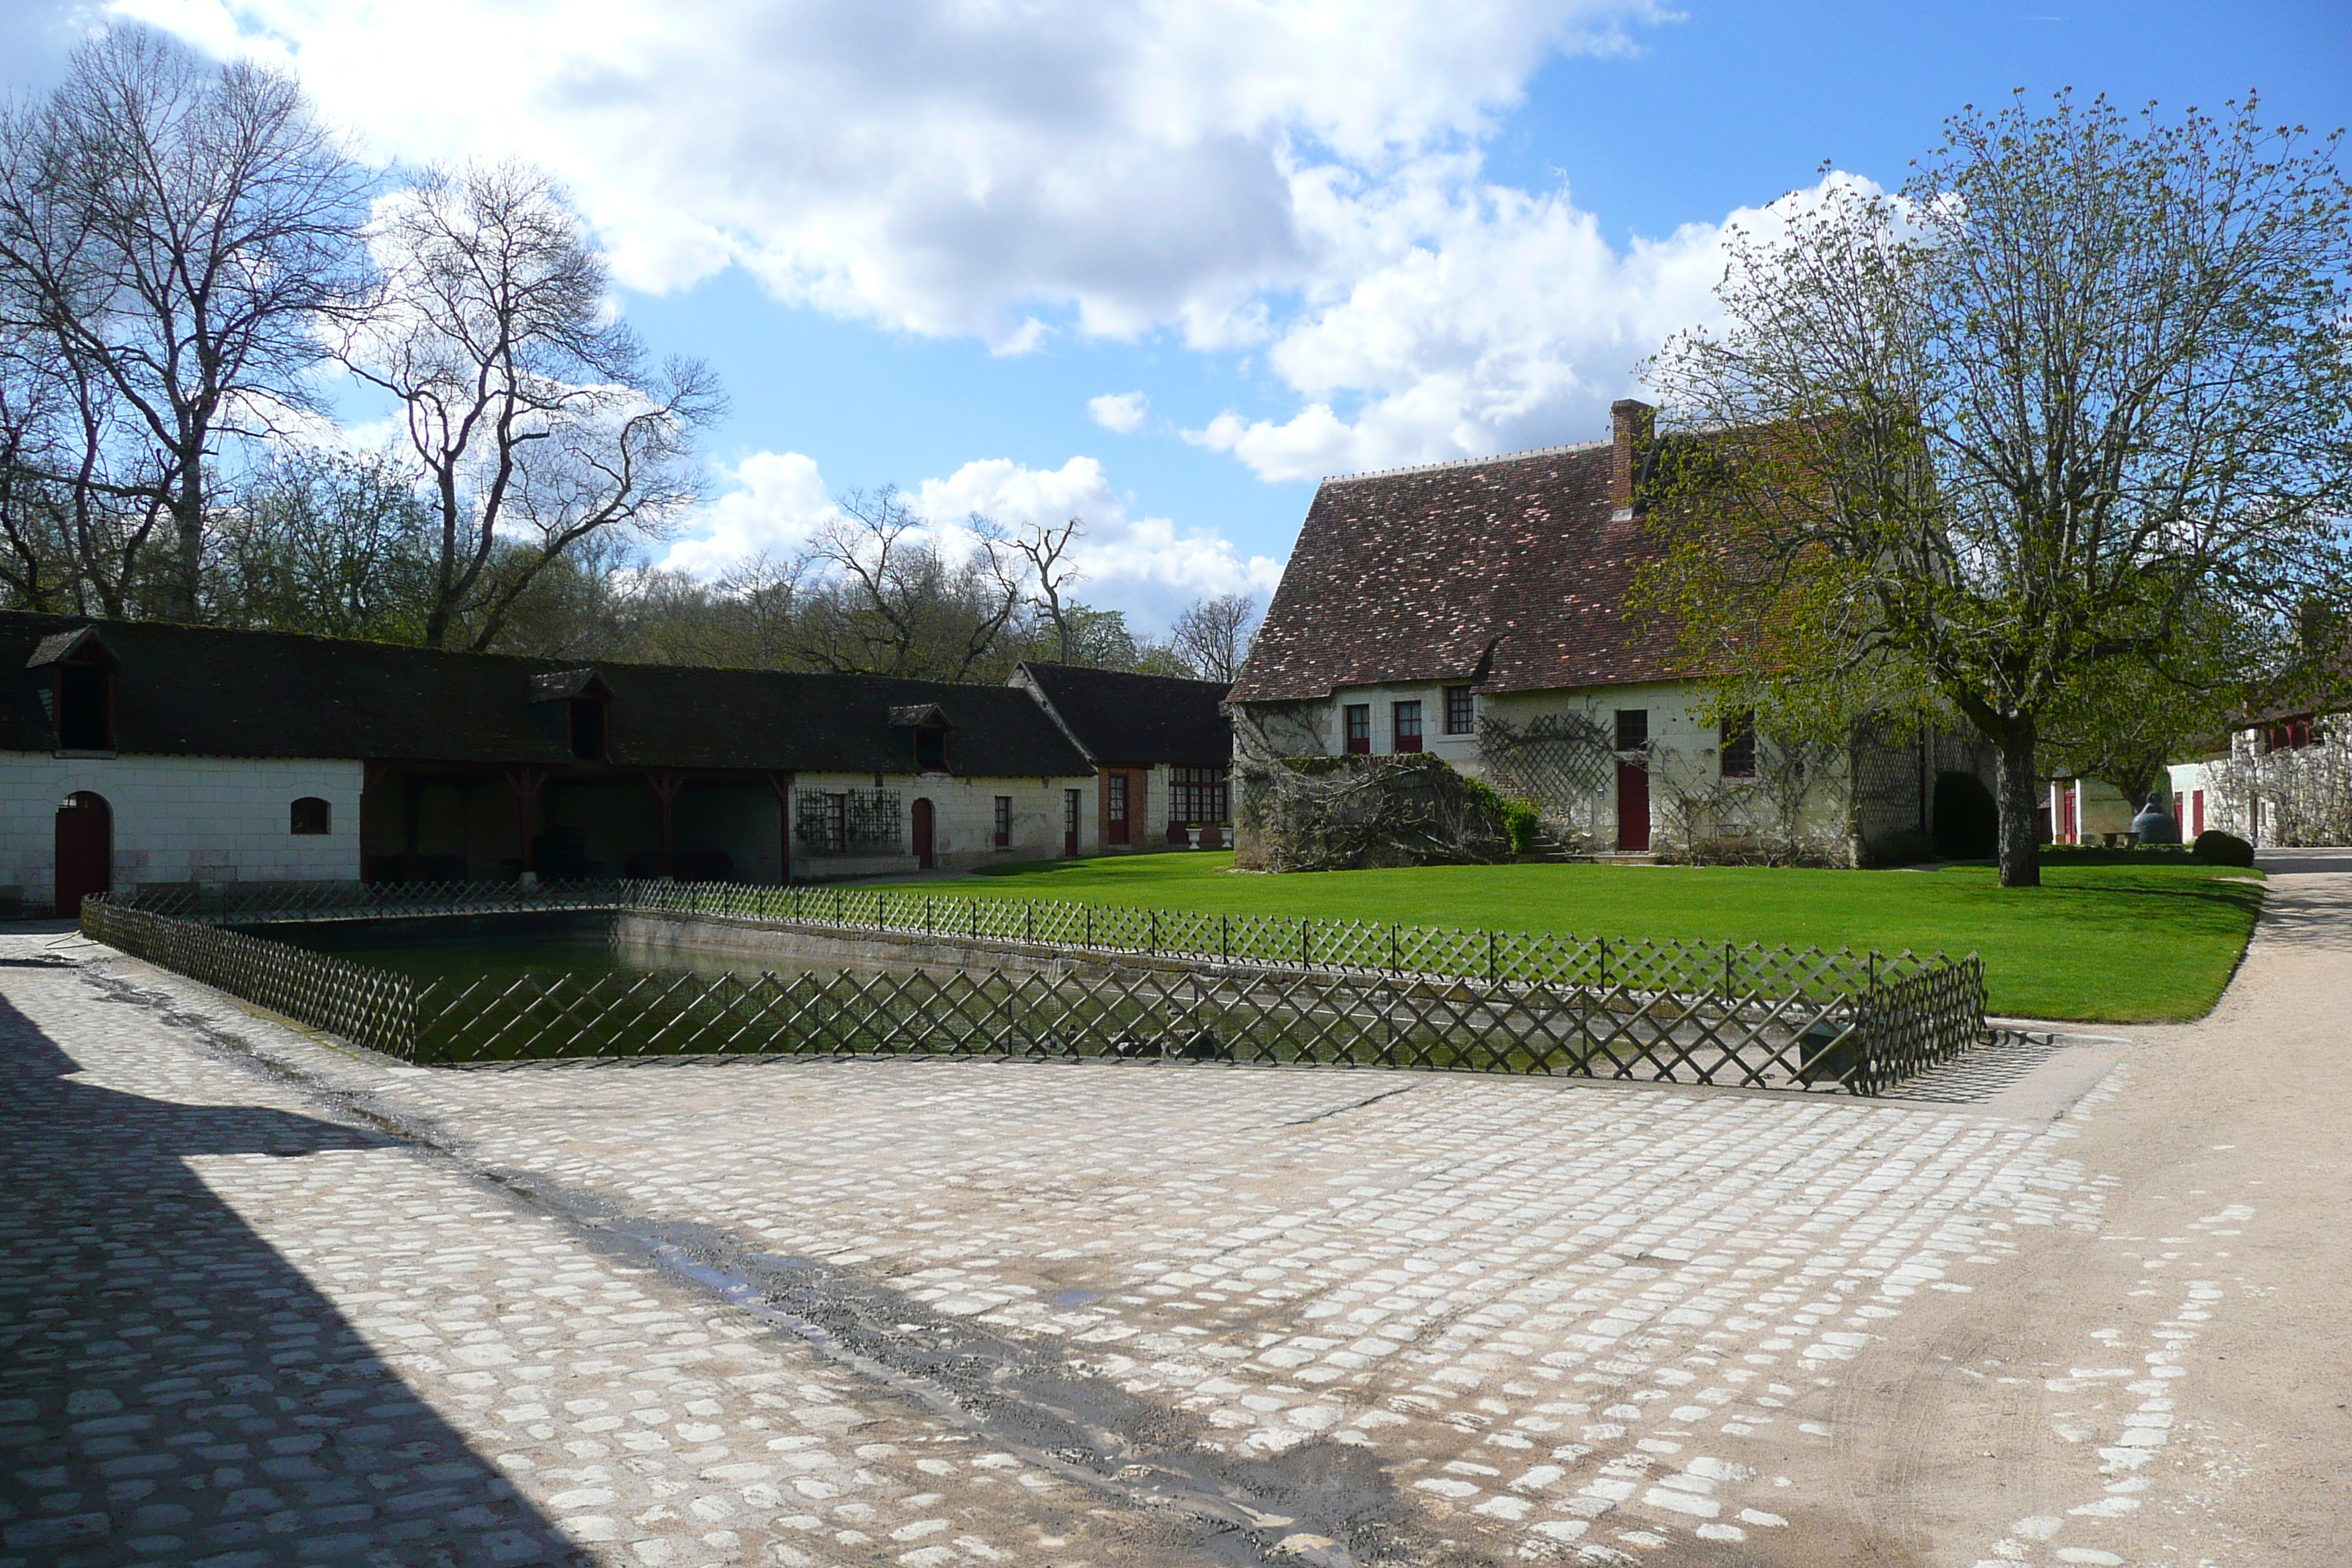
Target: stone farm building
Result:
[[1160, 747], [2281, 779], [141, 753], [1479, 610]]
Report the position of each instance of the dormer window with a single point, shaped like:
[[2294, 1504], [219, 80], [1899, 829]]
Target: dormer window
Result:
[[578, 700], [587, 724], [81, 670], [930, 726], [85, 709]]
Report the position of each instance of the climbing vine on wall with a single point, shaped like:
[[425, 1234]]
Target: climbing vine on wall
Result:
[[2305, 791]]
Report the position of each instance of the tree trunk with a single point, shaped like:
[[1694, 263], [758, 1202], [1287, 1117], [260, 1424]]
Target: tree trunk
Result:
[[188, 520], [2020, 832]]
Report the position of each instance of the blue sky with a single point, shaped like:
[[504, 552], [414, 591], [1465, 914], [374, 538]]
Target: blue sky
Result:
[[917, 238]]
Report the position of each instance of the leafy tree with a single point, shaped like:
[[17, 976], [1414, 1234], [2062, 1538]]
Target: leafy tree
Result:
[[334, 543], [2003, 445]]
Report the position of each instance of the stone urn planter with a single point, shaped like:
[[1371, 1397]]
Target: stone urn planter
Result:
[[1192, 837]]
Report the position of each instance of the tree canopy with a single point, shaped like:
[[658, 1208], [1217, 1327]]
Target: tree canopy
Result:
[[2056, 441]]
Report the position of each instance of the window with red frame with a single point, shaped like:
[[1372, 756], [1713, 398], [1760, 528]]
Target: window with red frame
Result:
[[2289, 734], [1197, 796], [1406, 716], [1358, 718], [1004, 822]]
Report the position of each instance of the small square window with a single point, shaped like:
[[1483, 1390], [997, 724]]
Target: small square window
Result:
[[313, 815]]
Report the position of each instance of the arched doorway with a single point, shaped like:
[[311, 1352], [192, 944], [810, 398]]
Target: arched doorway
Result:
[[924, 859], [85, 849]]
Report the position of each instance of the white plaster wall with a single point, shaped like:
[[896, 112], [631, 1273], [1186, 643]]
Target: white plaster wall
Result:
[[963, 821], [181, 819]]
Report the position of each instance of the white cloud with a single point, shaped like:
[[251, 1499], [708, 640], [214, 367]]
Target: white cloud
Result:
[[774, 501], [934, 165], [1119, 411], [1144, 566], [1302, 181], [1480, 319]]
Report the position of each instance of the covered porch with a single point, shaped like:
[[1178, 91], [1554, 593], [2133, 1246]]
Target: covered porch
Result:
[[426, 822]]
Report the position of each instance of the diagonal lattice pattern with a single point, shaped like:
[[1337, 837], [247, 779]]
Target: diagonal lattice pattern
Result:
[[1762, 1018]]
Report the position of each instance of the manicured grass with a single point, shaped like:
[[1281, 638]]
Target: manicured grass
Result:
[[2115, 943]]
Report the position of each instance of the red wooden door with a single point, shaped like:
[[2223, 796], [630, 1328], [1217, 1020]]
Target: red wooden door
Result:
[[924, 859], [1632, 807], [85, 849], [1071, 803], [1115, 808]]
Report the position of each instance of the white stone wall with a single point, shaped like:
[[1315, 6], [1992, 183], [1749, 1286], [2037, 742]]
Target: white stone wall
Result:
[[181, 819], [1684, 744], [963, 821]]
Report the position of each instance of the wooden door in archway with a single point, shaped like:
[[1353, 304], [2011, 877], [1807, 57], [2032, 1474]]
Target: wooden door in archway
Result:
[[924, 859], [85, 849]]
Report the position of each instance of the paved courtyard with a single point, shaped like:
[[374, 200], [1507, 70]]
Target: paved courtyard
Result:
[[269, 1300]]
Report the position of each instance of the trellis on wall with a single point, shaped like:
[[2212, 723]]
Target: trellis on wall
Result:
[[1564, 763], [853, 821]]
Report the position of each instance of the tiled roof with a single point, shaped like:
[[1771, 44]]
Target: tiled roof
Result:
[[204, 691], [1417, 574], [1123, 718]]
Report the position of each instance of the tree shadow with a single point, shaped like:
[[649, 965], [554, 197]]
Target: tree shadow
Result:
[[172, 1390]]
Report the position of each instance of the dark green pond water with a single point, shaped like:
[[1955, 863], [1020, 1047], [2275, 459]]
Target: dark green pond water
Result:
[[507, 958]]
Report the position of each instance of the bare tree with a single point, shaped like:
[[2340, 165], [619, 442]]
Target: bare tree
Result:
[[884, 600], [528, 403], [181, 230], [74, 533], [2078, 395], [1047, 549], [1212, 636]]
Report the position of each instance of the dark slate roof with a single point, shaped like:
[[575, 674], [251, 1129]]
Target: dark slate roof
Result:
[[202, 691], [1516, 564], [1123, 718]]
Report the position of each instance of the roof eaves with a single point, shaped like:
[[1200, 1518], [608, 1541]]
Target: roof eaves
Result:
[[1467, 462]]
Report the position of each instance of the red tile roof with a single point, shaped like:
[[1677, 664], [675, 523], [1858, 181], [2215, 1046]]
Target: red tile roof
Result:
[[1414, 575]]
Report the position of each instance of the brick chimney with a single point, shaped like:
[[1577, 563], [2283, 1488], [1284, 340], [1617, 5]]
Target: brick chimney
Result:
[[1631, 425]]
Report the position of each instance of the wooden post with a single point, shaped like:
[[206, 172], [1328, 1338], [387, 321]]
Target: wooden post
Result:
[[780, 784], [666, 788], [525, 783]]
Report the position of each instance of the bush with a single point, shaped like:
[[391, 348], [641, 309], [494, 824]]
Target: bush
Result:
[[1519, 817], [1968, 823], [1908, 847], [2216, 848]]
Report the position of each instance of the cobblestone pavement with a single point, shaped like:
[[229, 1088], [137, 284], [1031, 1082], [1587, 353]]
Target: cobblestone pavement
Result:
[[950, 1311], [243, 1328]]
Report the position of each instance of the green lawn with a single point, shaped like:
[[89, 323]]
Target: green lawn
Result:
[[2104, 942]]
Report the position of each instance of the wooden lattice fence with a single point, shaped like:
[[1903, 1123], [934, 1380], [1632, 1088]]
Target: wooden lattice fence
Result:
[[357, 1001], [1661, 1012]]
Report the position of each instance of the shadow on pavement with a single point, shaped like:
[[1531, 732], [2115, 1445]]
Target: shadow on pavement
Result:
[[172, 1391]]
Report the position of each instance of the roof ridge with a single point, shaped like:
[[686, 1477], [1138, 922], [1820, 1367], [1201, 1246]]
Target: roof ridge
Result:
[[1466, 462]]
